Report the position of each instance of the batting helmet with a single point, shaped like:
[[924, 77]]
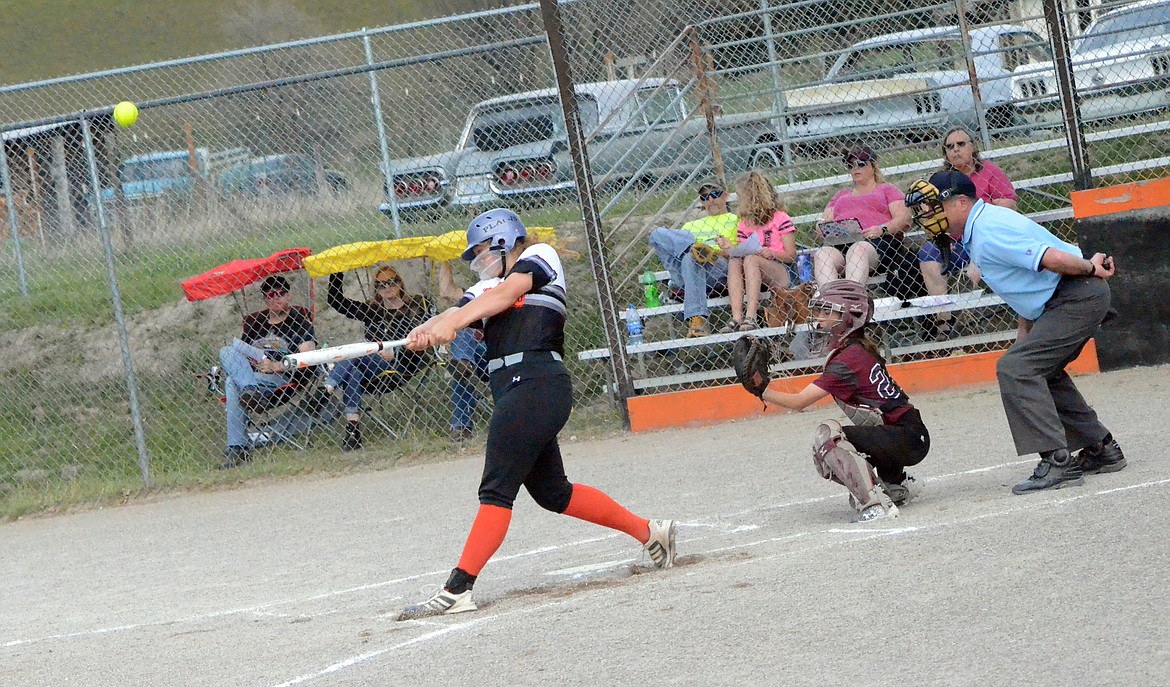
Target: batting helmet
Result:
[[501, 227], [922, 198], [849, 298]]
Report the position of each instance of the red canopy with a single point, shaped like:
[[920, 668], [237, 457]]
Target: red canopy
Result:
[[235, 275]]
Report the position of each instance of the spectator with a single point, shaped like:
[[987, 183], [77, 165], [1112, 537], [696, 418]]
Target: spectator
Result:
[[764, 216], [467, 363], [389, 315], [678, 249], [884, 219], [256, 381], [941, 257]]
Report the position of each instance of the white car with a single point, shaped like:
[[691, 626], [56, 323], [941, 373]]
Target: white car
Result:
[[915, 84], [1121, 65]]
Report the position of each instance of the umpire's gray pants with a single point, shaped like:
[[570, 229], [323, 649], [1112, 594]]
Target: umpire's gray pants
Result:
[[1044, 409]]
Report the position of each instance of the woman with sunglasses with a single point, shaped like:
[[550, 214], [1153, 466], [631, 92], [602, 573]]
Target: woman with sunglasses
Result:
[[878, 206], [940, 258], [388, 315]]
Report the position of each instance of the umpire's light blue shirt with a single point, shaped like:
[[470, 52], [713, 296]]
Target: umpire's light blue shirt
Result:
[[1007, 247]]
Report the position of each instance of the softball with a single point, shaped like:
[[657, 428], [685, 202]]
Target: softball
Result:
[[125, 113]]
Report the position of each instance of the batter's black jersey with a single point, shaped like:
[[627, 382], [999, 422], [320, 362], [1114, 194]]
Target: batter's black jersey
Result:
[[536, 321]]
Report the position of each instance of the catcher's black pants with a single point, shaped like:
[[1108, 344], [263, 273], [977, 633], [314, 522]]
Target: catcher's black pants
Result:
[[890, 448], [532, 404]]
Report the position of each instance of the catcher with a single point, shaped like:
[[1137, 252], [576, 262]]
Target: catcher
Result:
[[887, 434]]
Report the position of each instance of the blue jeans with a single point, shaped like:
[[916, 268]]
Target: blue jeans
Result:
[[240, 377], [673, 247], [351, 375], [467, 348]]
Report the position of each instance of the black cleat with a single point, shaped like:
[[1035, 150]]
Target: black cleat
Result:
[[1056, 470], [353, 436], [1104, 457]]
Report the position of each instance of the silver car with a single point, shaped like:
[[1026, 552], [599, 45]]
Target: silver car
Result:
[[1121, 65]]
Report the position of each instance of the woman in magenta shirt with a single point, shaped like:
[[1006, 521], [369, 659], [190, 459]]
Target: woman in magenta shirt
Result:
[[762, 214], [884, 219]]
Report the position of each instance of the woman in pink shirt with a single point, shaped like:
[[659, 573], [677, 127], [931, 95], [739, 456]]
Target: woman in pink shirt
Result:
[[762, 214], [884, 219]]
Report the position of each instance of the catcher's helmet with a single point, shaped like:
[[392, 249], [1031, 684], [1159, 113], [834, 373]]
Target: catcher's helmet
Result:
[[501, 227], [922, 199], [849, 298]]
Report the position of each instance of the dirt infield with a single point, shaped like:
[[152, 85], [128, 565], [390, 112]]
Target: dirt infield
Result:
[[298, 582]]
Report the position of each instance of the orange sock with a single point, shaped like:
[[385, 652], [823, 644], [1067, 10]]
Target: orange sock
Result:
[[487, 533], [593, 505]]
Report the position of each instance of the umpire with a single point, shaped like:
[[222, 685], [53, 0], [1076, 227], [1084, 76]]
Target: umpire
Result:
[[1061, 298]]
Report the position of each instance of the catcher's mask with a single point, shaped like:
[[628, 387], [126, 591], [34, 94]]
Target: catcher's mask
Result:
[[922, 199], [846, 298]]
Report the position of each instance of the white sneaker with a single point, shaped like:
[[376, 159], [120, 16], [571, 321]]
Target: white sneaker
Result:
[[905, 492], [442, 603], [876, 512], [660, 546]]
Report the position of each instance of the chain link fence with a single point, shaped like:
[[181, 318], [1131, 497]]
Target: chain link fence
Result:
[[136, 253]]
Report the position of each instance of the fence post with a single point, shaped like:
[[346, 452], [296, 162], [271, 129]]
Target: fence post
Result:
[[779, 99], [587, 198], [383, 145], [973, 75], [13, 220], [703, 81], [1069, 102], [116, 297]]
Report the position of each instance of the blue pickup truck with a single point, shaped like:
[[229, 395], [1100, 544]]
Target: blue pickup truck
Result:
[[172, 173]]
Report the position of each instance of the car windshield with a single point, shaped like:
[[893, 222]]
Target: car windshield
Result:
[[528, 121], [1148, 22], [883, 61], [146, 170]]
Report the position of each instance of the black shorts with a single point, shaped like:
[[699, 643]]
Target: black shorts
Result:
[[891, 448], [532, 404]]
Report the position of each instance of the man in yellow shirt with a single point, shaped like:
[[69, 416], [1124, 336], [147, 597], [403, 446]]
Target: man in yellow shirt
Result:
[[696, 279]]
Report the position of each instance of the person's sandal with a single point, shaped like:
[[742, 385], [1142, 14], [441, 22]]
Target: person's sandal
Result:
[[747, 325], [732, 328]]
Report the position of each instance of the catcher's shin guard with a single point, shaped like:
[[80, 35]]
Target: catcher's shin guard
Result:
[[836, 459]]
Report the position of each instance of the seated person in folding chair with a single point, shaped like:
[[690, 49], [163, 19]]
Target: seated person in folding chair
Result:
[[256, 382], [468, 363], [389, 315]]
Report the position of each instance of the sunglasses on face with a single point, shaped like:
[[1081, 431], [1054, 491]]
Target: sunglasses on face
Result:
[[712, 195], [275, 294], [856, 164], [385, 284], [956, 145]]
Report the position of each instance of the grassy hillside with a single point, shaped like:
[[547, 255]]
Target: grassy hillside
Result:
[[46, 38]]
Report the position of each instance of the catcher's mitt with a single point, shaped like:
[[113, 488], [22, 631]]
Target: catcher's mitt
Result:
[[752, 360], [704, 254]]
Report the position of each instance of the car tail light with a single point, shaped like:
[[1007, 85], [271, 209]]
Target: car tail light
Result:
[[1161, 65], [545, 171], [508, 175], [431, 184], [526, 173], [399, 189], [928, 103]]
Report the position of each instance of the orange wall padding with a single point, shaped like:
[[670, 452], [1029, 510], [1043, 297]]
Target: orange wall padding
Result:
[[1111, 199]]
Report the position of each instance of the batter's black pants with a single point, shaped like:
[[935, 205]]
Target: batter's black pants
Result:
[[532, 404]]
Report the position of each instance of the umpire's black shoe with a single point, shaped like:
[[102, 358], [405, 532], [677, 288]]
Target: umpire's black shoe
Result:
[[1056, 470], [1104, 457]]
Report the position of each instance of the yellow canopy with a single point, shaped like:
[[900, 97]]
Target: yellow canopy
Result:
[[442, 248]]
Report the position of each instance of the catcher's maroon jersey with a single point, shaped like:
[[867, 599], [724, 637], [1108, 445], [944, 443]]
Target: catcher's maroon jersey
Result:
[[855, 377]]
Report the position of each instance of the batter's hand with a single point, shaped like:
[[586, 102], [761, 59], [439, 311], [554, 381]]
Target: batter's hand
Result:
[[1104, 265]]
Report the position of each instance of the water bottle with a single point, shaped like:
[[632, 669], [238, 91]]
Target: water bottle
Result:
[[650, 289], [633, 326], [804, 268]]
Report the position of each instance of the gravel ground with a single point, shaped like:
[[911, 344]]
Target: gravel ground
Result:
[[298, 582]]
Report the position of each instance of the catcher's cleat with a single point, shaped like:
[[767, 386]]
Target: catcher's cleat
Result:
[[1104, 457], [661, 546], [876, 512], [442, 602], [903, 492], [1056, 470]]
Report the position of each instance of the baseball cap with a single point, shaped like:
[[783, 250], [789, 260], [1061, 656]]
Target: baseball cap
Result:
[[274, 282], [861, 153], [951, 183], [711, 185]]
